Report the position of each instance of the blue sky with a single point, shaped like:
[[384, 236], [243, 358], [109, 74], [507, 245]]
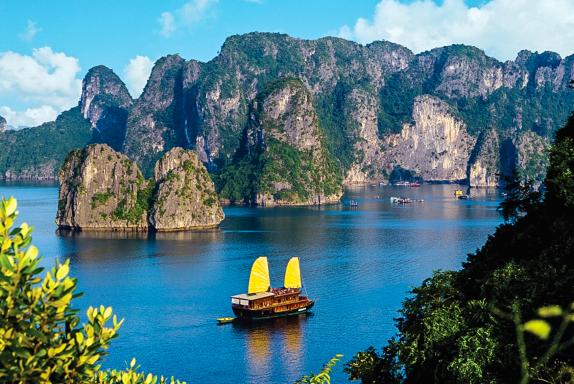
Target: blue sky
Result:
[[112, 32], [47, 46]]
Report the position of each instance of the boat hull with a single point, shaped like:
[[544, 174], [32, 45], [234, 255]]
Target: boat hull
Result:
[[270, 313]]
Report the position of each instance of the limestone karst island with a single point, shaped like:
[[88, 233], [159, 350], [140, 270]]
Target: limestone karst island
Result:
[[265, 191], [103, 189]]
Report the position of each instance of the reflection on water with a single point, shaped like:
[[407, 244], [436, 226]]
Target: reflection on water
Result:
[[203, 236], [98, 246], [199, 236], [105, 235], [259, 336], [357, 263]]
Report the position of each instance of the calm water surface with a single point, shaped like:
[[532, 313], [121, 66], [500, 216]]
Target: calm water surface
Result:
[[358, 263]]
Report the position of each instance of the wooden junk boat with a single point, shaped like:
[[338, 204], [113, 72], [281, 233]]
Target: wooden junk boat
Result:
[[263, 302]]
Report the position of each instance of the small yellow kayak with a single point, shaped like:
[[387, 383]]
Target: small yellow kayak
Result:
[[225, 320]]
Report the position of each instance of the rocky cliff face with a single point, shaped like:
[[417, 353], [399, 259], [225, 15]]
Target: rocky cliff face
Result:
[[297, 166], [364, 96], [248, 63], [105, 102], [284, 150], [484, 164], [368, 161], [101, 189], [3, 124], [372, 103], [155, 122], [436, 145], [36, 172], [185, 196]]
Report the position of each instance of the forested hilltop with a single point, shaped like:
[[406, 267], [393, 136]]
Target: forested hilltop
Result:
[[37, 153], [508, 315], [448, 114]]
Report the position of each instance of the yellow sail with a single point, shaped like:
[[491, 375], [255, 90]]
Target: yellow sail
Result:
[[259, 278], [293, 274]]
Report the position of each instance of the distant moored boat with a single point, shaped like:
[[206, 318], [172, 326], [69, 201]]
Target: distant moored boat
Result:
[[404, 200], [402, 183], [263, 302]]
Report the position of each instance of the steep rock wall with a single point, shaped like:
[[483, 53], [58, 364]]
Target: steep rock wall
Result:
[[185, 197], [368, 160], [105, 102], [436, 145], [101, 189], [155, 123], [297, 169], [3, 124], [283, 152], [363, 96], [484, 165]]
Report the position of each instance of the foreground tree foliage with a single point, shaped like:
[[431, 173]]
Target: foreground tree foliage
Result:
[[41, 337], [506, 316], [323, 377]]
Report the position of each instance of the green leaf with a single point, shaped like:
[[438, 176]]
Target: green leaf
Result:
[[5, 262], [538, 327], [31, 252], [550, 311], [11, 206], [63, 271]]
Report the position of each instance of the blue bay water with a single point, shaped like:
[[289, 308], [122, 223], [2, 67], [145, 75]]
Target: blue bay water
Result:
[[358, 263]]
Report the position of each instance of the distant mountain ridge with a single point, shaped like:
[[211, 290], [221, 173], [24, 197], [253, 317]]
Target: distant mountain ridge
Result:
[[447, 114]]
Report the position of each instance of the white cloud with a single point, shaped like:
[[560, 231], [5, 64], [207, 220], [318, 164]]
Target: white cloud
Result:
[[500, 27], [29, 117], [136, 74], [31, 31], [188, 15], [45, 81], [193, 11], [167, 23]]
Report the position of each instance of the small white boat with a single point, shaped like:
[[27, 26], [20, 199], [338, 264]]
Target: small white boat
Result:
[[404, 200]]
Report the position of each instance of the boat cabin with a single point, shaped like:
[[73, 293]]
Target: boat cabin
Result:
[[253, 301], [259, 300]]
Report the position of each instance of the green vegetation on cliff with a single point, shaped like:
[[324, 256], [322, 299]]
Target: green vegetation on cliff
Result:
[[283, 153], [330, 109], [39, 152], [280, 162], [143, 200], [354, 87], [469, 326]]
